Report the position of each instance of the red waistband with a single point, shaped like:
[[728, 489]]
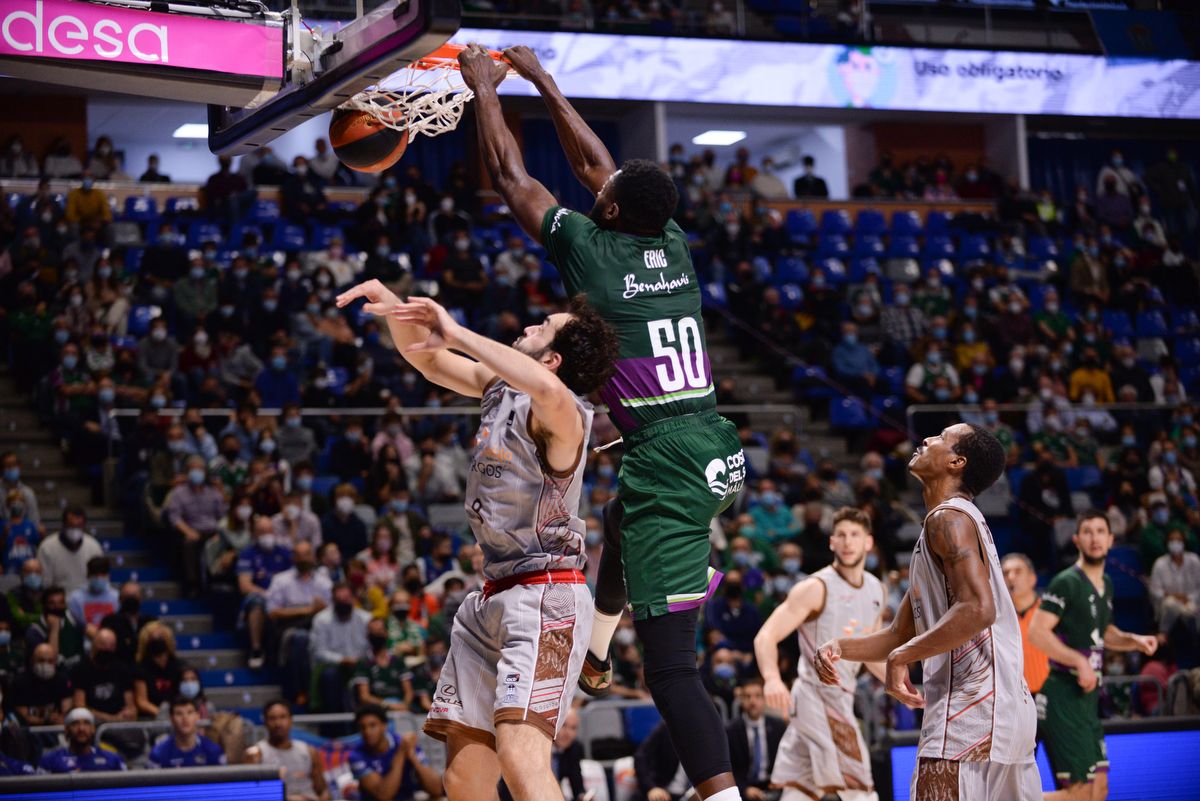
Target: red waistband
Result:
[[490, 588]]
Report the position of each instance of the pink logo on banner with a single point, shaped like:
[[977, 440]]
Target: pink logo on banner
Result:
[[63, 29]]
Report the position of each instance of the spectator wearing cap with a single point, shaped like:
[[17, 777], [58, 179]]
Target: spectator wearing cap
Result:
[[338, 644], [194, 509], [10, 481], [65, 555], [293, 598], [80, 754], [41, 695], [102, 683], [96, 600], [1175, 591]]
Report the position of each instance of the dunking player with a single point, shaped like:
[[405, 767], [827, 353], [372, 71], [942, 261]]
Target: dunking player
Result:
[[683, 462], [823, 750], [977, 739], [1073, 626], [517, 646]]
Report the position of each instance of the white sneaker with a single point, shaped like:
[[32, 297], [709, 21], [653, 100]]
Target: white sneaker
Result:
[[255, 662]]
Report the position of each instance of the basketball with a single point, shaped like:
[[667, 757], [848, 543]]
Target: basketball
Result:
[[363, 143]]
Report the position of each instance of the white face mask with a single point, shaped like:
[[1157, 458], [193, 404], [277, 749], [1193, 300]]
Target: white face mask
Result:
[[345, 504], [1175, 547], [73, 535], [243, 512], [267, 542], [291, 511]]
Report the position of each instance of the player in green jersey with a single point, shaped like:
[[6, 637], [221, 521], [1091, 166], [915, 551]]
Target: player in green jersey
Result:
[[1073, 626], [684, 463]]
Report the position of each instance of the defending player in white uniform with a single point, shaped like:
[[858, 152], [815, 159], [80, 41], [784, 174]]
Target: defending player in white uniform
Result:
[[823, 750], [977, 737], [517, 647]]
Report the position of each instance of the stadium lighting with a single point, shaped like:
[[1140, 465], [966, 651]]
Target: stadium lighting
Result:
[[719, 138], [192, 130]]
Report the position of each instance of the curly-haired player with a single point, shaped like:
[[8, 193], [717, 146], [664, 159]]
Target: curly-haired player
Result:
[[977, 735], [517, 647], [683, 462]]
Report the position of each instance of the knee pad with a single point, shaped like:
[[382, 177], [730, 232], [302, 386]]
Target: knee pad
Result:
[[612, 515]]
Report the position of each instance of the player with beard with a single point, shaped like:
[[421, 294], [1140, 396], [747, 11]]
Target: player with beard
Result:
[[683, 462], [823, 750], [517, 647], [977, 733], [1073, 625]]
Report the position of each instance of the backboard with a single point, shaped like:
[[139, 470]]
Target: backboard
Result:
[[331, 59]]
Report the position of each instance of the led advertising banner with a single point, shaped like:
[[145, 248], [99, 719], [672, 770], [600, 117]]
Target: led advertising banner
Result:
[[611, 67]]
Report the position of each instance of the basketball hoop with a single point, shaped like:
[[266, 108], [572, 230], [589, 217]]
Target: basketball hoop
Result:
[[426, 97]]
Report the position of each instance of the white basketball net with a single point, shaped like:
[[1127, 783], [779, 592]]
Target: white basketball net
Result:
[[427, 98]]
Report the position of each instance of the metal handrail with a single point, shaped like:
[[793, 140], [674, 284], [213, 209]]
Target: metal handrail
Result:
[[1159, 688]]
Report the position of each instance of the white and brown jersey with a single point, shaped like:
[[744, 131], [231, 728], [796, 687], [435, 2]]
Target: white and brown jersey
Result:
[[977, 705], [524, 516]]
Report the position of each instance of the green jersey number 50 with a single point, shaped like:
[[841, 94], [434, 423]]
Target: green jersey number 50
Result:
[[684, 352]]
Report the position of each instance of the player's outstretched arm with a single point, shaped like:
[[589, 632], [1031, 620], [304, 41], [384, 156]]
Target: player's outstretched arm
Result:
[[446, 369], [803, 601], [554, 410], [590, 160], [1119, 640], [526, 197], [954, 540]]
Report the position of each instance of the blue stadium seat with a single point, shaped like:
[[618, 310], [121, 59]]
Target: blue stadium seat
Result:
[[1190, 376], [894, 377], [140, 209], [1152, 323], [1015, 476], [790, 296], [289, 237], [974, 249], [790, 270], [903, 247], [861, 268], [639, 722], [888, 407], [343, 208], [906, 223], [322, 235], [263, 212], [833, 245], [201, 232], [789, 27], [133, 260], [938, 247], [1124, 567], [14, 199], [1187, 350], [139, 320], [835, 270], [812, 382], [870, 221], [1185, 321], [937, 222], [1082, 479], [237, 234], [1117, 322], [182, 205], [153, 232], [1042, 248], [714, 293], [801, 225], [323, 485], [868, 245], [848, 413], [836, 221]]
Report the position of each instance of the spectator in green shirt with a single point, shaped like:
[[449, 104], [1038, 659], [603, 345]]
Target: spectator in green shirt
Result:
[[196, 296], [382, 678], [406, 637], [1087, 449], [1152, 539], [1051, 324]]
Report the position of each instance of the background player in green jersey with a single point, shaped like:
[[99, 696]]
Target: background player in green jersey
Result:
[[1073, 626], [683, 462]]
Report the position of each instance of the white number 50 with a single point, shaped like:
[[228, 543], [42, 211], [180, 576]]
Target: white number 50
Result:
[[685, 361]]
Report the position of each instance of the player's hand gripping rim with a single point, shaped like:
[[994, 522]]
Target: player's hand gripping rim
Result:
[[479, 69]]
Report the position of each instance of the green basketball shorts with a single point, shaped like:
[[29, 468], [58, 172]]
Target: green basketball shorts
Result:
[[677, 475], [1069, 724]]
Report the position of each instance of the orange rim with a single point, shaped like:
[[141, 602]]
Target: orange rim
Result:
[[447, 56]]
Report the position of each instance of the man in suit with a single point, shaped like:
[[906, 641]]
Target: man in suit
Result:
[[660, 777], [753, 741], [810, 184]]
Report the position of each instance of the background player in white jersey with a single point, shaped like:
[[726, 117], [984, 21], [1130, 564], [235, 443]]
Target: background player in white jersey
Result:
[[517, 647], [823, 750], [977, 735]]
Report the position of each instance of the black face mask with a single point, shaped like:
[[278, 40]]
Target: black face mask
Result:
[[102, 658], [733, 591], [343, 610], [156, 647], [400, 613], [413, 586], [130, 605], [378, 641]]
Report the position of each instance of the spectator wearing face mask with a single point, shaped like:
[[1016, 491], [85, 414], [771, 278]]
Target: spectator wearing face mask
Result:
[[1045, 498], [341, 525], [194, 508], [293, 524], [1152, 538], [920, 384], [128, 621], [903, 324], [55, 627], [157, 353], [1091, 376], [87, 205], [102, 684], [65, 555], [41, 694], [1124, 180], [195, 296], [339, 643], [303, 193], [350, 457], [296, 442], [24, 601], [733, 615], [157, 672], [10, 482], [771, 515], [19, 535], [294, 597], [447, 220], [257, 565], [1175, 591], [97, 599], [463, 278]]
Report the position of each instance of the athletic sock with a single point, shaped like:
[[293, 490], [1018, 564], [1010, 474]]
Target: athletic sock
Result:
[[603, 627], [728, 794]]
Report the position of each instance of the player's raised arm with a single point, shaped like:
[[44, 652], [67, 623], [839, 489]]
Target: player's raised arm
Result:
[[590, 160], [439, 365], [526, 197], [803, 601]]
